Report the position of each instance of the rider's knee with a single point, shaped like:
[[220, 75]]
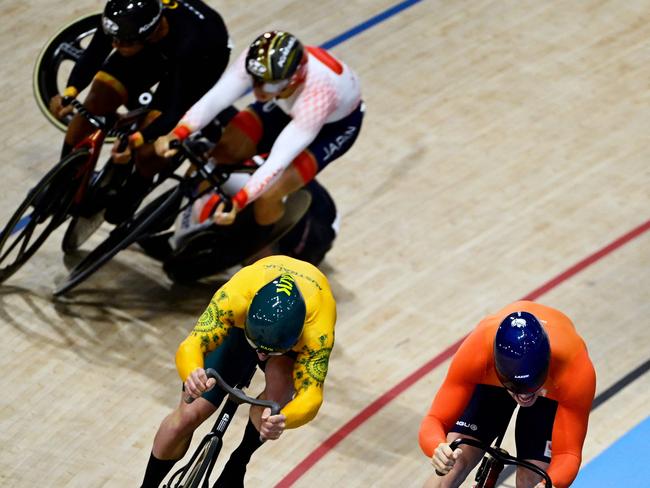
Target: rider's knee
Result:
[[184, 421], [234, 146]]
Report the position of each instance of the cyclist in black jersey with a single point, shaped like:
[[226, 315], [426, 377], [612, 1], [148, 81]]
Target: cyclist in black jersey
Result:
[[180, 45]]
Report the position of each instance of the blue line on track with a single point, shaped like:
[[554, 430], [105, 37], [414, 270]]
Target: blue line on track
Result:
[[369, 23]]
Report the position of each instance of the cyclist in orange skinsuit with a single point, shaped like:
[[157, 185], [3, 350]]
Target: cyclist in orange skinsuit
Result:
[[473, 401]]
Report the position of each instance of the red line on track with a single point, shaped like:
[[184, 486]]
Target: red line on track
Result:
[[356, 421]]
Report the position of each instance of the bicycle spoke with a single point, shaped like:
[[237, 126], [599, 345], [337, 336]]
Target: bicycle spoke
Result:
[[19, 239], [26, 236]]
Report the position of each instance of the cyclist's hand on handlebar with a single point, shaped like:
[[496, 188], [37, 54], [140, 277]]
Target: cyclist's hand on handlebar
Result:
[[221, 217], [198, 383], [57, 108], [444, 458], [542, 484], [272, 425], [161, 145], [121, 152]]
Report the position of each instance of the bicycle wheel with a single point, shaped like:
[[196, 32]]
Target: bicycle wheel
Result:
[[199, 471], [43, 210], [123, 236], [55, 62]]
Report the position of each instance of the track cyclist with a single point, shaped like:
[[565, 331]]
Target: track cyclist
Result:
[[180, 45], [529, 355], [308, 112], [279, 313]]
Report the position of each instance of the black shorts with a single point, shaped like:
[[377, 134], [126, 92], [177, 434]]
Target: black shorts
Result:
[[235, 360], [488, 413]]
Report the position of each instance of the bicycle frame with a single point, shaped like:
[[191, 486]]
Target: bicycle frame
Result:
[[93, 143], [235, 398], [218, 430]]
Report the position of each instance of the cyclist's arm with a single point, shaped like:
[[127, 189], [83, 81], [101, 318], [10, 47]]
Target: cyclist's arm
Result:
[[311, 366], [92, 59], [289, 144], [309, 114], [233, 84], [467, 369], [571, 419], [225, 310]]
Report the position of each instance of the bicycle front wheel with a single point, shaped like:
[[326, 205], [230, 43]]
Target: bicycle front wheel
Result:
[[122, 237], [198, 473], [43, 210]]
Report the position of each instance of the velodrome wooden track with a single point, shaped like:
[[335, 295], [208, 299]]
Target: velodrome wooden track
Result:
[[504, 143]]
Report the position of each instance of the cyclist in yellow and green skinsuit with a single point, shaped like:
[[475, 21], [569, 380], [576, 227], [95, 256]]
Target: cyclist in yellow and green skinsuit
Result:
[[279, 313]]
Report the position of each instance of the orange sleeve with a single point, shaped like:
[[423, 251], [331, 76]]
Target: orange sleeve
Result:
[[571, 419], [467, 369]]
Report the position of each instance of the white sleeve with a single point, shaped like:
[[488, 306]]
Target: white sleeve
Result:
[[291, 142], [232, 85]]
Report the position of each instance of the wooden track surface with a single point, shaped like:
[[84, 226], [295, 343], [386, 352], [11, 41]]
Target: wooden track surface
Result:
[[504, 142]]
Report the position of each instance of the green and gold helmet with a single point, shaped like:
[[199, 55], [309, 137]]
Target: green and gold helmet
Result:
[[274, 56], [276, 316]]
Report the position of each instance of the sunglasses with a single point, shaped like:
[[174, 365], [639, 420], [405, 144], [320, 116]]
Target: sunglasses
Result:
[[263, 351]]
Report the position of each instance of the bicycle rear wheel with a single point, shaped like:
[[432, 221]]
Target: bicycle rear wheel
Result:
[[43, 210], [123, 236]]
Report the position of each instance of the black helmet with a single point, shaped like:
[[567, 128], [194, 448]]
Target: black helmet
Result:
[[131, 20], [276, 316], [274, 56], [522, 353]]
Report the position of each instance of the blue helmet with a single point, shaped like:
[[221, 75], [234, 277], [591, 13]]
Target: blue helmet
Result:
[[276, 316], [522, 353]]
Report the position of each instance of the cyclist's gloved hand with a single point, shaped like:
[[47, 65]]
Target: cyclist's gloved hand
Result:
[[120, 152], [272, 426], [57, 107], [225, 217], [198, 383], [161, 145], [444, 458]]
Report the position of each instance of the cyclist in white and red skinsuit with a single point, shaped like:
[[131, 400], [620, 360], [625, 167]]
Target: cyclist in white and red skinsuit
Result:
[[308, 112]]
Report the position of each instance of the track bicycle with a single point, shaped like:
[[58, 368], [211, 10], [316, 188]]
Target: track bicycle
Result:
[[159, 214], [196, 473], [65, 191], [493, 463]]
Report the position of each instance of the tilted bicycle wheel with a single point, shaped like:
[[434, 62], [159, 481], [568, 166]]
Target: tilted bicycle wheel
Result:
[[55, 62], [123, 236], [202, 466], [43, 210]]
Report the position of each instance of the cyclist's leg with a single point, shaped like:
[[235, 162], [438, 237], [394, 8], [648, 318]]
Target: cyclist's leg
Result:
[[119, 82], [533, 431], [235, 361], [105, 95], [252, 131], [485, 418]]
